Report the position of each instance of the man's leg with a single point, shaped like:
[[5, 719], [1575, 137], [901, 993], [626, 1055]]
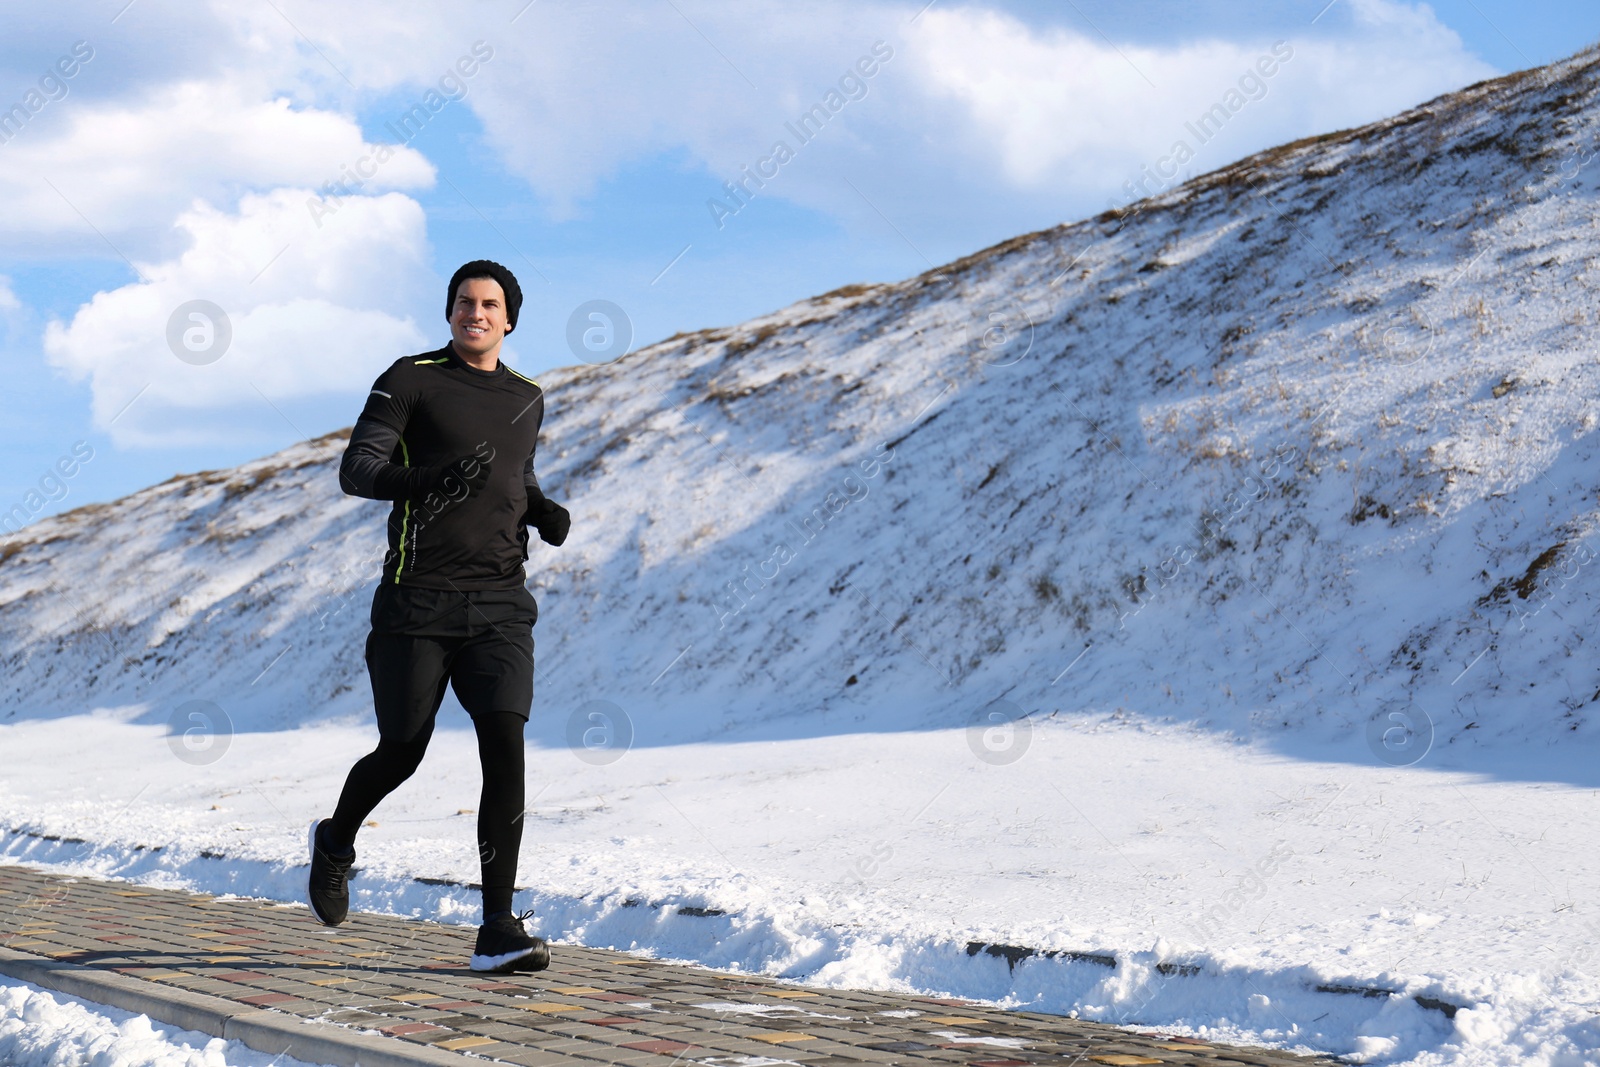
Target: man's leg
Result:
[[408, 679], [493, 678], [503, 943], [500, 751], [492, 674]]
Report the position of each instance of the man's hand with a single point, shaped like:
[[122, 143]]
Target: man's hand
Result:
[[468, 473], [549, 518]]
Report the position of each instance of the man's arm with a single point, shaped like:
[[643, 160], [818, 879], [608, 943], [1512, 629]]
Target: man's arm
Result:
[[543, 514], [368, 470], [530, 481]]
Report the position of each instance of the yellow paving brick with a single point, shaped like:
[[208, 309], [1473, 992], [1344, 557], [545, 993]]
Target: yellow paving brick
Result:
[[228, 959], [790, 993], [783, 1037], [464, 1042], [328, 981], [25, 944], [1182, 1048], [575, 990], [304, 962], [550, 1007], [1122, 1059], [415, 998]]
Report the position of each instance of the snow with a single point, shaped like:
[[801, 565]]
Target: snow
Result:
[[39, 1028], [837, 866], [1206, 589]]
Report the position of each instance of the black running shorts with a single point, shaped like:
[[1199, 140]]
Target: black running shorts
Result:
[[483, 649]]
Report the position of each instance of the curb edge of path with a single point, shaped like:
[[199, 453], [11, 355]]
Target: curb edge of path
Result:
[[263, 1030]]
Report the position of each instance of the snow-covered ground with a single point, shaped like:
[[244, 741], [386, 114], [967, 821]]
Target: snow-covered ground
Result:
[[874, 859], [39, 1028], [1264, 514]]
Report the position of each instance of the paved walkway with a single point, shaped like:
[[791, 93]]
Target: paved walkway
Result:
[[257, 970]]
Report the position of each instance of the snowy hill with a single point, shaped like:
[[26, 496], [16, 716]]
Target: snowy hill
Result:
[[1296, 440], [1301, 453]]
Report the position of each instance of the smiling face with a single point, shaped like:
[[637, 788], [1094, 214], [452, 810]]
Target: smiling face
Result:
[[478, 321]]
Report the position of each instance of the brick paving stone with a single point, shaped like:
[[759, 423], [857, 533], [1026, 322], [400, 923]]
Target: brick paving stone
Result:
[[532, 1057], [667, 1047], [408, 978]]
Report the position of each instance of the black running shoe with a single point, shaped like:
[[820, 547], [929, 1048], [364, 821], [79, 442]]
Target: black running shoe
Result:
[[327, 887], [503, 945]]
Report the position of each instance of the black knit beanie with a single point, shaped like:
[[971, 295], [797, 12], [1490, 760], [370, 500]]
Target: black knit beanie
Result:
[[487, 268]]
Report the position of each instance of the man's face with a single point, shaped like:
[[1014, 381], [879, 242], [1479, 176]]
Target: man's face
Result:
[[478, 317]]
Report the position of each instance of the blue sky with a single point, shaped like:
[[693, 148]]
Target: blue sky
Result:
[[182, 161]]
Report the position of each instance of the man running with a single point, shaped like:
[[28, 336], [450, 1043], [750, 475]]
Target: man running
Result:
[[449, 437]]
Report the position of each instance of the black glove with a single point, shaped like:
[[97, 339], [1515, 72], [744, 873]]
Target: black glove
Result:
[[449, 479], [549, 518]]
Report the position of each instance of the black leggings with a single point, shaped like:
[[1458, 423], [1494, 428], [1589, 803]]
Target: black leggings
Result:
[[500, 748]]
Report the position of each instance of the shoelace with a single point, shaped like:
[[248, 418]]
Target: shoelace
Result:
[[336, 878], [338, 871]]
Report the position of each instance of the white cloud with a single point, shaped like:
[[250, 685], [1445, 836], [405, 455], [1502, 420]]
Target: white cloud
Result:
[[1396, 55], [981, 125], [583, 91], [118, 166], [1057, 109], [313, 311], [11, 310]]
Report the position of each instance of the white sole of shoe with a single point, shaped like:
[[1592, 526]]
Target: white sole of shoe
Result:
[[505, 962]]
